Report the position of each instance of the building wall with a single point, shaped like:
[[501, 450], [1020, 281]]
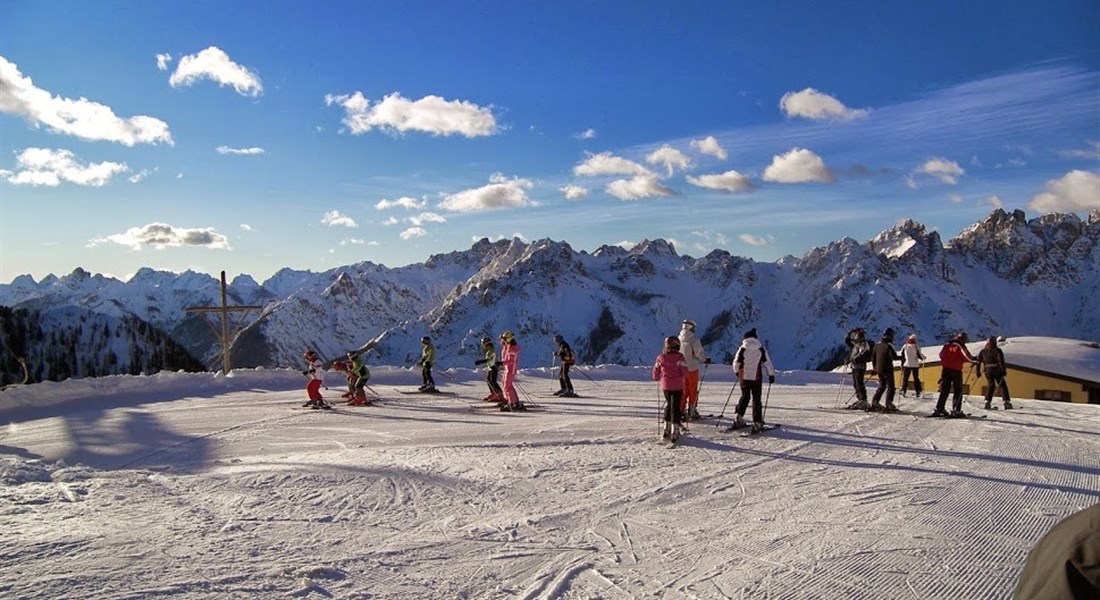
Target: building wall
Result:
[[1021, 384]]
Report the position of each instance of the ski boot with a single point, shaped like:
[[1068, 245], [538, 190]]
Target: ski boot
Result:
[[1008, 406], [957, 414], [757, 427], [939, 412], [858, 405], [694, 414], [676, 431], [738, 423], [668, 430], [989, 405], [891, 408], [875, 407]]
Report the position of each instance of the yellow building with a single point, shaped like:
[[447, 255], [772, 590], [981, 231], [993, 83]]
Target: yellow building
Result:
[[1039, 368]]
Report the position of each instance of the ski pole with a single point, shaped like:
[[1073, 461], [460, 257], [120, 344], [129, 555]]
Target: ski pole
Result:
[[660, 399], [718, 421], [767, 394], [553, 365], [581, 371]]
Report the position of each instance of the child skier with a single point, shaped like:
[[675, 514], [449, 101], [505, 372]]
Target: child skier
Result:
[[427, 358], [509, 357], [750, 364], [492, 368], [565, 353], [670, 369], [358, 375], [313, 386]]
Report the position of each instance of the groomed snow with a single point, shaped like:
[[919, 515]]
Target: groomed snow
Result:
[[201, 486]]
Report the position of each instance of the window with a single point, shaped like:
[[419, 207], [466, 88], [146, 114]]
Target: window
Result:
[[1056, 395]]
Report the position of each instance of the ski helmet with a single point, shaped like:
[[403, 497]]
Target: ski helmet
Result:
[[507, 336], [425, 340], [888, 334], [310, 355], [558, 339], [750, 333], [690, 324], [486, 341], [672, 343], [339, 366]]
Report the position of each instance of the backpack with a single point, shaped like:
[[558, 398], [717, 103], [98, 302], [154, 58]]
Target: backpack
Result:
[[861, 352]]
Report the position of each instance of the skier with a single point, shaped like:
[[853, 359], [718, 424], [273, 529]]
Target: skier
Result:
[[884, 357], [670, 369], [358, 375], [427, 358], [953, 356], [750, 364], [693, 354], [992, 359], [509, 357], [565, 354], [313, 386], [492, 369], [859, 352], [910, 365]]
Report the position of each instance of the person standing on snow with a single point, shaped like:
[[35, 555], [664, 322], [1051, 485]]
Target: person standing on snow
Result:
[[859, 352], [670, 369], [313, 386], [692, 350], [750, 364], [358, 375], [565, 354], [953, 356], [911, 359], [884, 357], [427, 359], [509, 357], [492, 368], [992, 359]]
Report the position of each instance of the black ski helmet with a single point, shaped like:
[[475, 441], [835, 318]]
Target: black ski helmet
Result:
[[558, 339], [888, 334], [425, 340], [486, 341]]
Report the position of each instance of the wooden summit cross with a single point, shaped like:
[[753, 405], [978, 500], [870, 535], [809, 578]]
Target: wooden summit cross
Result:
[[224, 310]]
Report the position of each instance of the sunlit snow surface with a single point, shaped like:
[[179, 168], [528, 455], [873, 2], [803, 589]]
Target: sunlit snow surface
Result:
[[201, 486]]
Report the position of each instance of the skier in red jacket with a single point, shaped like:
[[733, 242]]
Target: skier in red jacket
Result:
[[953, 356]]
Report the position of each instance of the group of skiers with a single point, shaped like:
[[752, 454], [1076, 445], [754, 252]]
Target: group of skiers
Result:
[[953, 357], [677, 370]]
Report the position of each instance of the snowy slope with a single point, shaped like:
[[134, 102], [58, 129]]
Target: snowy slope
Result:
[[199, 486]]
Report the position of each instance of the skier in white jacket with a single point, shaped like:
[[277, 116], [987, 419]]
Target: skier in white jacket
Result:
[[693, 352], [750, 365]]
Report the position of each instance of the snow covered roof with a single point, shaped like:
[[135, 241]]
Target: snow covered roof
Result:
[[1077, 359]]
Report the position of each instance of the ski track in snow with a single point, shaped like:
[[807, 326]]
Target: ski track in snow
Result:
[[243, 494]]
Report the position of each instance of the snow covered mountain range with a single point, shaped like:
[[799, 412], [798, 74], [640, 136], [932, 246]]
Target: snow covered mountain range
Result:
[[1006, 275]]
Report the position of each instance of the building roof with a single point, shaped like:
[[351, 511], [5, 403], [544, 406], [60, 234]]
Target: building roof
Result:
[[1075, 359]]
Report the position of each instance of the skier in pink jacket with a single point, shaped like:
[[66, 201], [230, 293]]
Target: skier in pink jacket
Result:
[[670, 369], [509, 358]]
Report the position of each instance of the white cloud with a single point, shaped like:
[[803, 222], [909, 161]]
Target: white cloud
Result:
[[711, 237], [710, 146], [215, 65], [163, 60], [941, 169], [1092, 152], [430, 114], [606, 163], [798, 166], [246, 227], [141, 175], [413, 232], [955, 198], [574, 192], [353, 242], [333, 218], [730, 181], [161, 235], [426, 217], [390, 222], [587, 134], [994, 201], [81, 118], [638, 187], [500, 193], [756, 240], [812, 104], [43, 166], [404, 202], [1076, 191], [242, 151], [670, 157]]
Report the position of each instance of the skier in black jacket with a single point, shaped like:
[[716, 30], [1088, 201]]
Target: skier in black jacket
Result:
[[992, 359], [884, 356], [565, 353], [859, 352]]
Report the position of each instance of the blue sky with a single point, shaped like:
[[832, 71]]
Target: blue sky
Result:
[[251, 136]]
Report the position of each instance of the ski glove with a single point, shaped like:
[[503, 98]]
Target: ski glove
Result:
[[771, 379], [706, 360]]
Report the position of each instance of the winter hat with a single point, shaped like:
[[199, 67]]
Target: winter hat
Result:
[[888, 334], [672, 343], [913, 338], [558, 339], [991, 342], [750, 333]]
